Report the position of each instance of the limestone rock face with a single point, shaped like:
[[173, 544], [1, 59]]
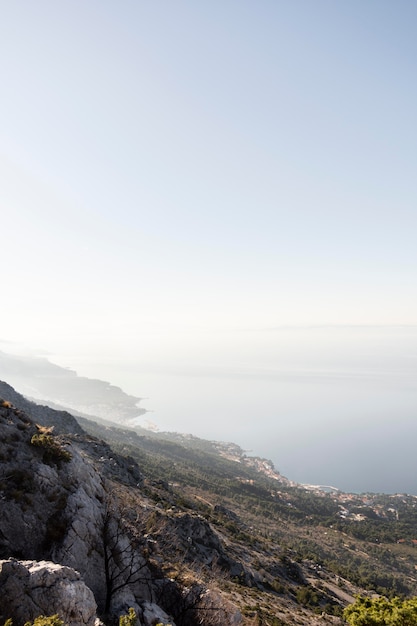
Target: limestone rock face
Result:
[[33, 588], [54, 506], [81, 547], [72, 540], [201, 542], [51, 508], [153, 614]]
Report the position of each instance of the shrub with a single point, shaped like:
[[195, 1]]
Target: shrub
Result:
[[382, 612], [307, 596], [53, 449], [52, 620], [129, 619], [41, 620]]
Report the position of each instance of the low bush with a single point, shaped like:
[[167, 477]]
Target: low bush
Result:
[[52, 620], [54, 451]]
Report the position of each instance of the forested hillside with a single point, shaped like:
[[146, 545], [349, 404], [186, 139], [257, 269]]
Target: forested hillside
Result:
[[188, 531], [369, 539]]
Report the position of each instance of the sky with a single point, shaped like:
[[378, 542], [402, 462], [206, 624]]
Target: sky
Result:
[[200, 197]]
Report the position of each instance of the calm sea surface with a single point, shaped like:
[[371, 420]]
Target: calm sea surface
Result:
[[353, 434], [327, 406]]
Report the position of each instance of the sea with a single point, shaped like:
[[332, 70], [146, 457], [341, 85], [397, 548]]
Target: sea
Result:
[[328, 406]]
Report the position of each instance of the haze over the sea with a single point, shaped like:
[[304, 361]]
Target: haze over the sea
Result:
[[214, 205], [330, 406]]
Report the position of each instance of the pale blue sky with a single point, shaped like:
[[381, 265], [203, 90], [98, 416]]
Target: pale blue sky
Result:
[[172, 172]]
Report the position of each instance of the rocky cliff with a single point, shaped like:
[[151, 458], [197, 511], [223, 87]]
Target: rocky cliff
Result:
[[33, 588], [182, 530], [72, 533]]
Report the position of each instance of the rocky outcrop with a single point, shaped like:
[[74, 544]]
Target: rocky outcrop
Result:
[[32, 588], [72, 532], [153, 614], [199, 542], [58, 503], [62, 421], [82, 544], [53, 499]]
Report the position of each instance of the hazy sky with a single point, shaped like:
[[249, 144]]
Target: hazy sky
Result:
[[176, 173]]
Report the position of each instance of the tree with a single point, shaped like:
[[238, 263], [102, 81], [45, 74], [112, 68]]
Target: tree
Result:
[[382, 612], [123, 563]]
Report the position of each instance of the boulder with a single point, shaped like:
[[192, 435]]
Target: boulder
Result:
[[33, 588], [153, 614]]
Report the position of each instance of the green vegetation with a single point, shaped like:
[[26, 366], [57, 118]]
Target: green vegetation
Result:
[[54, 451], [41, 620], [311, 549], [129, 619], [307, 596], [234, 535], [192, 474], [382, 612], [53, 620]]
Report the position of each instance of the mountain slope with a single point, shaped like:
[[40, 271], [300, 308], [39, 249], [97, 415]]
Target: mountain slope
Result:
[[190, 528], [62, 388]]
